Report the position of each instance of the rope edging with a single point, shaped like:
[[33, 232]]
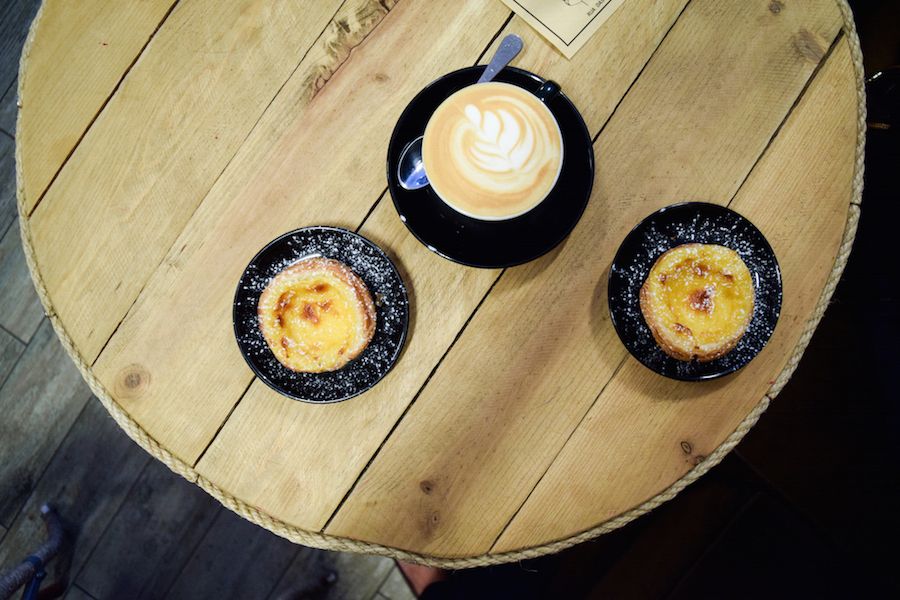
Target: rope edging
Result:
[[329, 542]]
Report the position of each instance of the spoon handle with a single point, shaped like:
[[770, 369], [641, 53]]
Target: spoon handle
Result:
[[509, 48]]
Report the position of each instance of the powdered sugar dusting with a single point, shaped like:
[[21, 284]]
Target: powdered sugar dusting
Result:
[[384, 284], [681, 224]]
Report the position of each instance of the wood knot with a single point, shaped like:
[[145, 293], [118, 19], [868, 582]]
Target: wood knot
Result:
[[426, 486], [775, 7], [430, 522], [809, 46], [132, 382], [686, 447], [381, 77]]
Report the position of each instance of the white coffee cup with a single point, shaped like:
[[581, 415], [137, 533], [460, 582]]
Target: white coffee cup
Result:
[[493, 151]]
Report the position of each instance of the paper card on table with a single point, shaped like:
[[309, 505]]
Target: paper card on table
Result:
[[567, 24]]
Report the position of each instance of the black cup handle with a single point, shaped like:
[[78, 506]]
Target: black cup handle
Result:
[[548, 90]]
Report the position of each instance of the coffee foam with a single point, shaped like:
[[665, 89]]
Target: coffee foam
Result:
[[492, 151]]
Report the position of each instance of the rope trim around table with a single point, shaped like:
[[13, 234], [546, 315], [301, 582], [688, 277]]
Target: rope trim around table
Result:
[[329, 542]]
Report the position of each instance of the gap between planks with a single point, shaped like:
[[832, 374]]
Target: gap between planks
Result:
[[212, 184], [43, 470], [100, 110], [381, 197], [200, 539], [490, 289], [362, 223], [90, 553], [781, 124], [13, 336]]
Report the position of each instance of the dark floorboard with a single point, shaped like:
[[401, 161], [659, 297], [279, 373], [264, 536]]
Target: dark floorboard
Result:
[[8, 109], [10, 351], [235, 559], [7, 181], [39, 402], [332, 576], [76, 593], [22, 311], [15, 18], [87, 480], [164, 518]]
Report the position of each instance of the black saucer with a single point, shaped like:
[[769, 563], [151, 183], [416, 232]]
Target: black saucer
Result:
[[681, 224], [493, 244], [371, 264]]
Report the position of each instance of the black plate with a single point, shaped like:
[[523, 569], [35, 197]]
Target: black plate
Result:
[[681, 224], [391, 309], [493, 244]]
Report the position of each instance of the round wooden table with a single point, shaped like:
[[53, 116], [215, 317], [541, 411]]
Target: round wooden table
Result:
[[162, 143]]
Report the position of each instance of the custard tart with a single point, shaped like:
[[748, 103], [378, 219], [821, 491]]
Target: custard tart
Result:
[[698, 301], [316, 315]]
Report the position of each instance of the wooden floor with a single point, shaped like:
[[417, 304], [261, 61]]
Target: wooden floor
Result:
[[139, 530], [805, 507]]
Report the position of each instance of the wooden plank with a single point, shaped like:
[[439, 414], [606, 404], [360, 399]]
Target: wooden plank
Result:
[[76, 593], [642, 26], [452, 492], [152, 155], [395, 587], [87, 481], [151, 538], [285, 167], [332, 576], [236, 559], [8, 109], [15, 18], [39, 402], [313, 454], [84, 49], [10, 351], [7, 181], [798, 196], [20, 308]]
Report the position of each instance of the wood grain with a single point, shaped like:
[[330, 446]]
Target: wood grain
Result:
[[145, 546], [15, 17], [798, 196], [10, 350], [121, 200], [332, 576], [87, 480], [44, 393], [236, 559], [76, 593], [154, 227], [452, 474], [334, 443], [8, 109], [285, 176], [7, 182], [99, 40], [20, 308]]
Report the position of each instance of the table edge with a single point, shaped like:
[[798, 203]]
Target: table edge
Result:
[[325, 541]]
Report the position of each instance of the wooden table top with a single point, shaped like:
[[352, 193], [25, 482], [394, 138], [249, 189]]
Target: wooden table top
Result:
[[162, 143]]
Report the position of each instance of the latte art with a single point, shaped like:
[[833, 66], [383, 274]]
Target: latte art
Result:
[[492, 151], [500, 141]]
